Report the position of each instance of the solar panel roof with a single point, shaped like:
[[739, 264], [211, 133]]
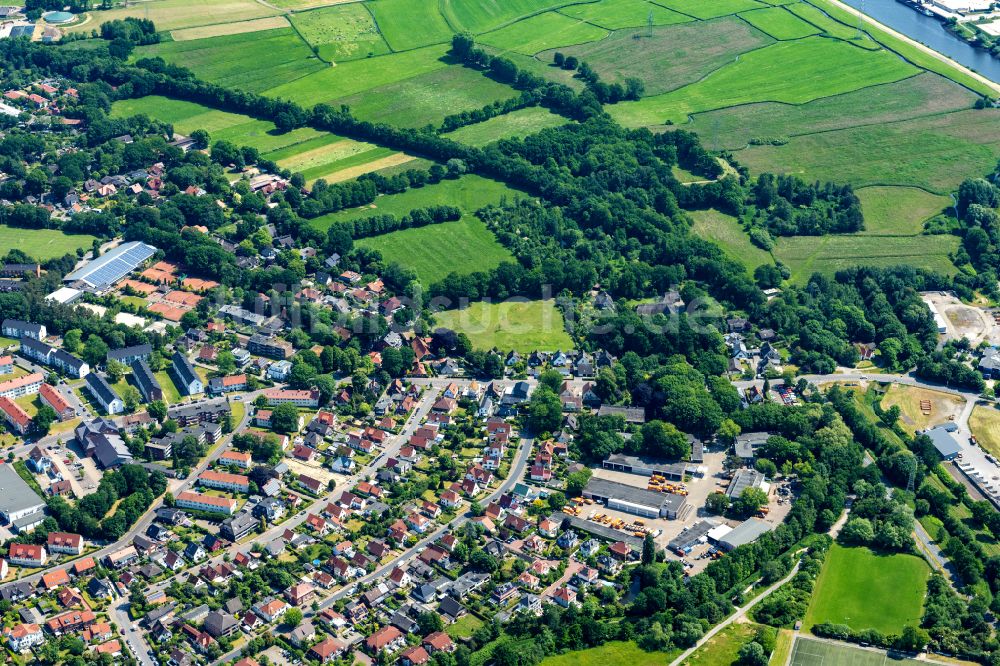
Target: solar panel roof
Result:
[[113, 266]]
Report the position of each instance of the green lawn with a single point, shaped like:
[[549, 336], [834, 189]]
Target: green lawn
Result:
[[250, 61], [779, 23], [522, 326], [465, 626], [726, 232], [427, 98], [792, 72], [518, 123], [706, 10], [805, 255], [170, 393], [341, 32], [478, 16], [723, 648], [898, 211], [544, 31], [673, 56], [615, 653], [617, 14], [42, 244], [866, 590], [355, 76], [409, 24]]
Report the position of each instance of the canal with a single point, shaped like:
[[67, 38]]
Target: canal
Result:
[[930, 31]]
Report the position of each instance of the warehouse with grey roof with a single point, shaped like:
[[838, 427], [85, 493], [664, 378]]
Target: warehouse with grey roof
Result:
[[637, 501]]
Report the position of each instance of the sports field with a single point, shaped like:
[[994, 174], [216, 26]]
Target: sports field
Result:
[[865, 590], [814, 652], [518, 123], [341, 32], [42, 244], [522, 326], [806, 255]]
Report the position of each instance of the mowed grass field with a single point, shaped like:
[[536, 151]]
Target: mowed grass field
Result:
[[779, 23], [219, 30], [805, 255], [477, 16], [812, 652], [250, 61], [898, 211], [672, 57], [341, 32], [726, 232], [706, 10], [613, 653], [792, 72], [866, 590], [544, 31], [42, 244], [328, 156], [177, 14], [618, 14], [522, 326], [985, 425], [518, 123], [409, 24]]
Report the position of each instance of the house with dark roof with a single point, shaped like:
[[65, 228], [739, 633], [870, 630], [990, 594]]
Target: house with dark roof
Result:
[[147, 382], [102, 392], [188, 380]]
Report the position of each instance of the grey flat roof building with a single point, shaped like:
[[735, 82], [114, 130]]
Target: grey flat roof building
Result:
[[744, 478], [17, 499], [691, 537], [645, 466], [597, 530], [630, 499], [944, 441], [748, 442], [129, 355], [746, 532]]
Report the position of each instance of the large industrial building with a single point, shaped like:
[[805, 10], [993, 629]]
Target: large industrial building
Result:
[[17, 499], [646, 467], [107, 270], [746, 478], [637, 501], [944, 440]]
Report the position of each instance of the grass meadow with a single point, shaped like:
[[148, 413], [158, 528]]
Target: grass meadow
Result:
[[706, 10], [898, 211], [477, 16], [522, 326], [779, 23], [409, 24], [220, 30], [726, 232], [723, 648], [619, 14], [177, 14], [792, 72], [42, 244], [544, 31], [613, 653], [518, 123], [866, 590], [673, 56], [327, 155], [341, 32], [985, 425], [830, 27]]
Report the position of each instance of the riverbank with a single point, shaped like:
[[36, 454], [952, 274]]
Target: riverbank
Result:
[[982, 85]]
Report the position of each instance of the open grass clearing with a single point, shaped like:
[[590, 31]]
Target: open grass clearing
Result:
[[909, 399], [613, 653], [723, 648], [673, 56], [341, 32], [812, 652], [898, 211], [478, 16], [867, 590], [522, 326], [518, 124], [922, 95], [618, 14], [409, 24], [250, 61], [355, 76], [726, 232], [177, 14], [805, 255], [782, 647], [985, 425], [221, 30], [544, 31], [935, 152], [793, 72], [42, 244], [779, 23], [433, 252], [706, 10], [427, 98]]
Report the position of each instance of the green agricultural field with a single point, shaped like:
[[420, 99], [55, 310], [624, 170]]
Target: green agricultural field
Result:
[[341, 32], [518, 123], [726, 232], [250, 61], [427, 98], [176, 14], [477, 16], [327, 155], [866, 590], [545, 31], [464, 246], [934, 152], [221, 125], [793, 72], [811, 652], [42, 244], [238, 28], [355, 76], [613, 653], [779, 23], [618, 14], [672, 57], [409, 24], [706, 10], [805, 255], [522, 326], [299, 5], [829, 26], [922, 95], [898, 211]]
